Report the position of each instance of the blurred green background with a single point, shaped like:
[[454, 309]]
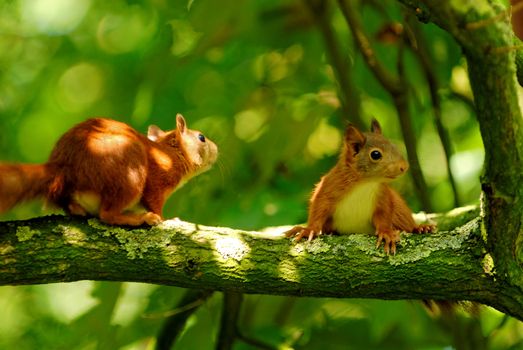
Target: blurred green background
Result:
[[255, 77]]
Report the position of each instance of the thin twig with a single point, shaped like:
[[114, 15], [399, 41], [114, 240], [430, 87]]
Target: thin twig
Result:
[[465, 99], [349, 97], [402, 107], [389, 82], [505, 49], [175, 311], [488, 21], [174, 323], [420, 51], [255, 342]]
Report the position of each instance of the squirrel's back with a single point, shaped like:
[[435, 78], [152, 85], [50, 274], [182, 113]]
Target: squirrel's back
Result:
[[93, 155]]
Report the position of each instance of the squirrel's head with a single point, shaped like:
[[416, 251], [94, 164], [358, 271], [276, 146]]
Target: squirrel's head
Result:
[[372, 155], [199, 151]]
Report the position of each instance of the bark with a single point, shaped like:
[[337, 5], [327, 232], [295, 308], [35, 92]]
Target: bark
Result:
[[450, 265]]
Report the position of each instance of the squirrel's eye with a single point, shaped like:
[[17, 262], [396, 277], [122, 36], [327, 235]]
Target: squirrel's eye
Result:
[[201, 137], [375, 155]]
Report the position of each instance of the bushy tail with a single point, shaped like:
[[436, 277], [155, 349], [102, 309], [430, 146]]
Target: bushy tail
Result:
[[22, 182]]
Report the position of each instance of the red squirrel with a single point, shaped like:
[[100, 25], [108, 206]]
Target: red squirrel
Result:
[[354, 196], [105, 168]]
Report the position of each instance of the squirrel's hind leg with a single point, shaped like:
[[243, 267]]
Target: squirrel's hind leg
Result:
[[76, 209], [118, 210], [113, 217]]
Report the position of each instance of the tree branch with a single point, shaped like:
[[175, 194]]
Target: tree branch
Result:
[[391, 83], [232, 302], [450, 265]]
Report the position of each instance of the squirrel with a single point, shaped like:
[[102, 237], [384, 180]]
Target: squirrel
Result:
[[354, 196], [103, 167]]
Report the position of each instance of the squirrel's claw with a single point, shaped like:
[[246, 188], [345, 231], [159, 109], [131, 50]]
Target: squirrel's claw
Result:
[[424, 228], [299, 232], [293, 231], [389, 238]]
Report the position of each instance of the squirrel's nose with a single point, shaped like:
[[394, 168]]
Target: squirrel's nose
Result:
[[403, 166]]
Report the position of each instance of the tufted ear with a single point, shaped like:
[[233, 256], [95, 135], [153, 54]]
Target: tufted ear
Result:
[[354, 139], [375, 126], [181, 125], [154, 133]]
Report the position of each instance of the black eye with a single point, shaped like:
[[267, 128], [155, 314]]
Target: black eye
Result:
[[375, 155], [201, 137]]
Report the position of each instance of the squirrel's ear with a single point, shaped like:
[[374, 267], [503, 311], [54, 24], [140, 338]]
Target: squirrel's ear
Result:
[[181, 125], [375, 126], [354, 139], [154, 133]]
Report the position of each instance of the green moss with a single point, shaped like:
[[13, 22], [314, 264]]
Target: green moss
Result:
[[70, 234], [104, 230], [59, 229], [488, 265], [135, 242], [367, 245], [430, 243], [411, 254], [316, 246], [464, 7], [132, 242], [25, 233], [74, 235]]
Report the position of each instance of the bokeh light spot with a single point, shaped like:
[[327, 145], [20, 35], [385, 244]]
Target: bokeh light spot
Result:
[[54, 16], [185, 38], [80, 86], [126, 31], [249, 124], [324, 141]]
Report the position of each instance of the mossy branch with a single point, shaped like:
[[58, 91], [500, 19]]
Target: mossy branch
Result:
[[449, 265]]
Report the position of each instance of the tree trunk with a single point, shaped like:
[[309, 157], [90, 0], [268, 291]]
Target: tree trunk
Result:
[[484, 32]]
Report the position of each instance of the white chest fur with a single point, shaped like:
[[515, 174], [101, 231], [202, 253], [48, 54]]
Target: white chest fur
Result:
[[353, 214]]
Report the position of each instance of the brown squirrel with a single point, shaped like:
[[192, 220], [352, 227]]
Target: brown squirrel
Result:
[[354, 196], [105, 168]]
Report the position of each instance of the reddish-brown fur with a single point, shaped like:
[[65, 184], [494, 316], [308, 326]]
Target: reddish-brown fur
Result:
[[390, 213], [114, 166]]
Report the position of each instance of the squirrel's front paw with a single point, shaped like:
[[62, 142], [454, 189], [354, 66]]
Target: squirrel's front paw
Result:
[[152, 219], [424, 228], [389, 239], [298, 232]]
